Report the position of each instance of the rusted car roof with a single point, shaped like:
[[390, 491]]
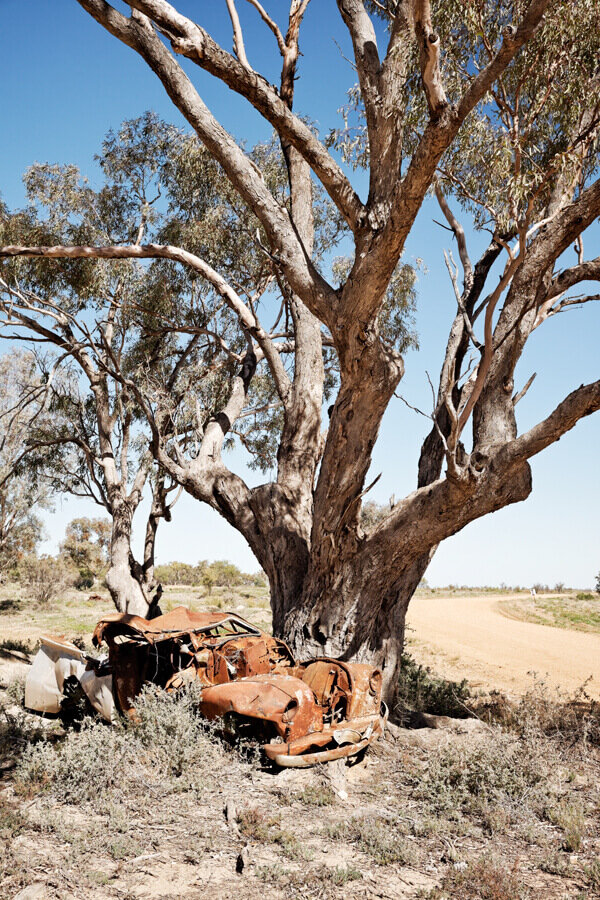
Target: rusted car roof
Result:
[[176, 623]]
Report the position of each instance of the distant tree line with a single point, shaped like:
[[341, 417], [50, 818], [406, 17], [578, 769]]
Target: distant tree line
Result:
[[216, 574], [83, 561]]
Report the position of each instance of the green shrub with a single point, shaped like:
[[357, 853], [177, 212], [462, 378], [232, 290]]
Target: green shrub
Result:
[[12, 822], [259, 825], [179, 573], [316, 795], [85, 579], [499, 771], [220, 573], [171, 728], [83, 767], [170, 740], [15, 690], [18, 732], [422, 691], [322, 882]]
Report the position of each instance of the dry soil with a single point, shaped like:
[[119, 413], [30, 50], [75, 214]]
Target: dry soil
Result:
[[469, 637]]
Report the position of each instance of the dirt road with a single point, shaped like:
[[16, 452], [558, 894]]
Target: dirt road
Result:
[[468, 637]]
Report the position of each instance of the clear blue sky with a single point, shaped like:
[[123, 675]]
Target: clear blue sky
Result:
[[65, 82]]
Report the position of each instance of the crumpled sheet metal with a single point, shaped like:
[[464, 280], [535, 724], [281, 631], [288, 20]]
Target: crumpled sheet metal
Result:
[[286, 703], [305, 713], [177, 623], [350, 739], [183, 646], [55, 662]]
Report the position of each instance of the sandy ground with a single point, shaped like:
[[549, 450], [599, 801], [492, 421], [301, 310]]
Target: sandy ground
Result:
[[469, 637]]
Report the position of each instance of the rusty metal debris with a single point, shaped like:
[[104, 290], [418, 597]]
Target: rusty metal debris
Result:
[[302, 713]]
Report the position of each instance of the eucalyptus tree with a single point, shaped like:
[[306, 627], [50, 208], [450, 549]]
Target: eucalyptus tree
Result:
[[91, 442], [494, 107], [141, 343], [86, 545], [22, 496], [87, 444]]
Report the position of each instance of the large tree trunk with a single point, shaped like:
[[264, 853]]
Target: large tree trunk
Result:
[[356, 588], [356, 614], [125, 589]]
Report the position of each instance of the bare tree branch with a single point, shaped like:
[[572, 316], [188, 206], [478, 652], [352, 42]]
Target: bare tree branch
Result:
[[238, 37], [176, 254], [366, 55], [192, 41], [486, 359], [243, 174], [520, 394], [271, 24], [585, 271], [459, 234], [429, 56], [580, 403]]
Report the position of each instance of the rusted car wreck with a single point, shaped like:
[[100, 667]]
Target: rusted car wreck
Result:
[[303, 713]]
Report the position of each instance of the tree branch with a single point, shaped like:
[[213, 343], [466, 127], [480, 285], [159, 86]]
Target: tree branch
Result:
[[429, 58], [238, 37], [243, 174], [192, 41], [512, 41], [374, 265], [585, 271], [488, 351], [520, 394], [366, 55], [580, 403], [176, 254], [459, 234], [270, 23]]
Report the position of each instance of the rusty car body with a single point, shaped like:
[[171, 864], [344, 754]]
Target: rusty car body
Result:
[[303, 713]]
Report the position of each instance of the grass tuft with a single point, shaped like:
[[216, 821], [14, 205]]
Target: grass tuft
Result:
[[316, 795], [383, 839], [570, 817], [483, 879]]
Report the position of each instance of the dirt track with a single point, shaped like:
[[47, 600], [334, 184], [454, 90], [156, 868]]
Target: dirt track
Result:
[[468, 637]]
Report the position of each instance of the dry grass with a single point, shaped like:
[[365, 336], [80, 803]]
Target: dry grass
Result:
[[483, 879], [383, 839], [571, 719], [575, 611], [506, 811]]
